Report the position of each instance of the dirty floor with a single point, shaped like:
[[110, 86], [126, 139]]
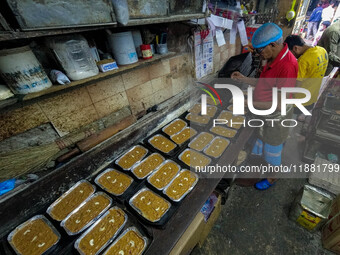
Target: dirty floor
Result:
[[256, 222]]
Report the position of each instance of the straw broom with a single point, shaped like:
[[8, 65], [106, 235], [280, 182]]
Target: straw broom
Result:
[[19, 162]]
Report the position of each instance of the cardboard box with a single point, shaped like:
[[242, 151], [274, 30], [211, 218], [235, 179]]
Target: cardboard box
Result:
[[190, 237], [107, 65], [211, 222], [197, 232], [335, 207], [330, 235]]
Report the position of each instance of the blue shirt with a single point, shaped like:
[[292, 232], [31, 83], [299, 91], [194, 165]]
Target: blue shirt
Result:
[[316, 15]]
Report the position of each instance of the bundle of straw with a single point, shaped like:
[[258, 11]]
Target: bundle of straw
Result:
[[19, 162]]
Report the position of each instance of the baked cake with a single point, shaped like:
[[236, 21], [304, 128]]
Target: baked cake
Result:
[[211, 102], [162, 143], [104, 230], [164, 174], [136, 154], [217, 147], [150, 205], [193, 158], [202, 140], [181, 185], [78, 220], [114, 181], [198, 119], [223, 131], [225, 115], [196, 109], [129, 243], [70, 200], [34, 237], [147, 166], [184, 135], [174, 127]]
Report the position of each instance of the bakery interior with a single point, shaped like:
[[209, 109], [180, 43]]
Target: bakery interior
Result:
[[100, 131]]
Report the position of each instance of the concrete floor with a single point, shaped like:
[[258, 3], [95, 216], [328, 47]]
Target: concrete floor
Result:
[[256, 222]]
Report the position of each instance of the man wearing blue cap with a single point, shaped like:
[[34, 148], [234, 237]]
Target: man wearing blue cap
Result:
[[280, 71]]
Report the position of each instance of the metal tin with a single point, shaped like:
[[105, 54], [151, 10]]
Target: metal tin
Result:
[[111, 170], [232, 117], [49, 209], [141, 162], [139, 212], [311, 208], [208, 146], [233, 130], [198, 111], [76, 244], [129, 152], [197, 137], [127, 230], [195, 133], [186, 193], [62, 224], [10, 236], [159, 149], [172, 123], [230, 109], [180, 155], [158, 169], [197, 123]]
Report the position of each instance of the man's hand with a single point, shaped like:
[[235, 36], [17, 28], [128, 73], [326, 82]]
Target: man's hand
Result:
[[237, 76], [244, 79]]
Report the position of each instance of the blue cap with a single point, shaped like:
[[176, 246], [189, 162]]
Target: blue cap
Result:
[[266, 34]]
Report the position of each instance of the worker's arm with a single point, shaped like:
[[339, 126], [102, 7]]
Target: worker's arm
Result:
[[240, 77]]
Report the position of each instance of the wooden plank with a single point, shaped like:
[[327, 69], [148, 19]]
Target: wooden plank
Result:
[[101, 76], [3, 23], [135, 22], [35, 198]]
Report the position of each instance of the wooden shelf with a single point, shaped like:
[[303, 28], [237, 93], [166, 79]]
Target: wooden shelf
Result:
[[14, 35], [101, 76]]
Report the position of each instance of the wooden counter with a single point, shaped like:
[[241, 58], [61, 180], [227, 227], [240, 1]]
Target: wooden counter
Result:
[[34, 199]]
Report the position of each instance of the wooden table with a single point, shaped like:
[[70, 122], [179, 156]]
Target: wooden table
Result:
[[165, 239]]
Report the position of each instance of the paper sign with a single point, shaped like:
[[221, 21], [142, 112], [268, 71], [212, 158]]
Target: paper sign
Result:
[[220, 38], [243, 34], [217, 20], [204, 53], [228, 23]]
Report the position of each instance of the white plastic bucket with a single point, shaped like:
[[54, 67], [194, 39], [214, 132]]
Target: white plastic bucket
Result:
[[123, 48], [22, 71]]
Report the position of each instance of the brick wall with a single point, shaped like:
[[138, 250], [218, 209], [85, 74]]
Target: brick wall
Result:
[[139, 89]]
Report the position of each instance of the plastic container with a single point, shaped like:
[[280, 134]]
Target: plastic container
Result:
[[123, 48], [137, 40], [74, 54], [22, 72], [146, 51], [162, 48]]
